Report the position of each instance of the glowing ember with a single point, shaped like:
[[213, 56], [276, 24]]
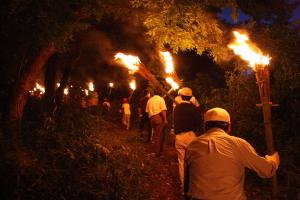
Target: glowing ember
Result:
[[111, 84], [91, 86], [38, 88], [168, 61], [132, 85], [131, 62], [66, 91], [41, 88], [242, 48], [173, 84]]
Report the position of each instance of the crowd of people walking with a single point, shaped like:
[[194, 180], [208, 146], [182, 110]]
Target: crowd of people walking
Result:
[[211, 165], [211, 162]]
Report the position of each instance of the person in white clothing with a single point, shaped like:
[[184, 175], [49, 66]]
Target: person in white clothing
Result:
[[215, 162], [156, 109]]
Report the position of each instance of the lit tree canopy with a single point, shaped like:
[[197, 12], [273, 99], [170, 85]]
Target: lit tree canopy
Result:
[[183, 25]]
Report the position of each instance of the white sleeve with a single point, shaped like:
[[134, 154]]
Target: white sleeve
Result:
[[263, 167]]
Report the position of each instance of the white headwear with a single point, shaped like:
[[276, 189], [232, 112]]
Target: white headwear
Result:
[[186, 92], [217, 114]]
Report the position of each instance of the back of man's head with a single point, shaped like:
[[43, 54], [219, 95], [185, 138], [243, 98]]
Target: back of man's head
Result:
[[147, 92], [158, 92], [217, 118]]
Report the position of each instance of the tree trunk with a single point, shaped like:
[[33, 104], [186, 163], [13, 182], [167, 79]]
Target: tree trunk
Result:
[[63, 84], [15, 156], [26, 82], [65, 78], [50, 84]]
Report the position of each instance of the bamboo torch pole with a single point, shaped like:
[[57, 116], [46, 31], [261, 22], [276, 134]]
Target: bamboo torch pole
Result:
[[263, 82], [243, 47]]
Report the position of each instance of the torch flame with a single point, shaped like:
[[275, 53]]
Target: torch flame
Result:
[[168, 61], [131, 62], [111, 84], [132, 85], [91, 86], [86, 92], [66, 91], [39, 87], [242, 48], [173, 84]]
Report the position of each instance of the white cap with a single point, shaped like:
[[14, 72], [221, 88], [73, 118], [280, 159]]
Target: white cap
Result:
[[217, 114], [186, 92]]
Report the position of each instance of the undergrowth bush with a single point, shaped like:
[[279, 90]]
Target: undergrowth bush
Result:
[[80, 156]]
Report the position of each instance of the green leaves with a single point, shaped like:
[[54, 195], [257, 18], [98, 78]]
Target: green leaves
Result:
[[183, 26]]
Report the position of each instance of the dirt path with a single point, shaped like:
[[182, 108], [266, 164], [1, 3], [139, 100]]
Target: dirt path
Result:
[[164, 177], [159, 175]]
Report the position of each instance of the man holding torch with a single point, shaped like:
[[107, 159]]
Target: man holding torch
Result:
[[215, 162]]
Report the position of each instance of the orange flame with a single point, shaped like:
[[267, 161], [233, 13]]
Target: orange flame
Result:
[[39, 88], [111, 84], [168, 61], [132, 85], [131, 62], [91, 86], [66, 91], [173, 84], [242, 48]]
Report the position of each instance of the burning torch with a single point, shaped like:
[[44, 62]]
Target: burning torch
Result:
[[132, 86], [259, 63], [134, 64], [110, 85], [172, 78], [91, 86], [66, 91], [131, 62]]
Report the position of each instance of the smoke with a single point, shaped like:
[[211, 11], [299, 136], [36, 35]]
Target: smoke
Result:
[[99, 44]]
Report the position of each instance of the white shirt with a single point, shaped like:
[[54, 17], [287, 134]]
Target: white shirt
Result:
[[155, 105], [216, 165]]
